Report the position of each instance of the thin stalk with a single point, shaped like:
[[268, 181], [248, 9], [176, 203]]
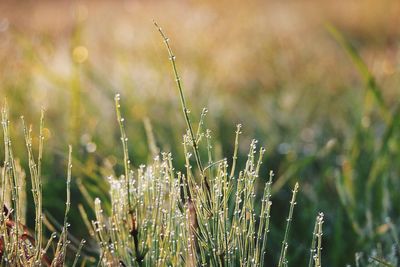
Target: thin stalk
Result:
[[313, 243], [264, 221], [83, 241], [150, 138], [201, 123], [124, 141], [320, 221], [12, 174], [234, 159], [62, 242], [6, 158], [282, 258], [35, 172], [183, 104], [39, 225]]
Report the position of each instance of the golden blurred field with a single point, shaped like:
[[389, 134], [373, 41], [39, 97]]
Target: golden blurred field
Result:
[[233, 56]]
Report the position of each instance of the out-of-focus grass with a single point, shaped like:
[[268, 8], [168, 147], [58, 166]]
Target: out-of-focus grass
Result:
[[271, 66]]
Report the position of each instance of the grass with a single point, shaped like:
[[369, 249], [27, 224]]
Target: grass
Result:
[[162, 218], [337, 136], [176, 221], [159, 217], [18, 246]]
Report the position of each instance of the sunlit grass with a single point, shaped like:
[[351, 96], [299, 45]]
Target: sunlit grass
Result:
[[339, 141]]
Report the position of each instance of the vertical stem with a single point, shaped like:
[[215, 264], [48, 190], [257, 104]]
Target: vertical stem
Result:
[[184, 106], [234, 159], [39, 224], [124, 141], [282, 258]]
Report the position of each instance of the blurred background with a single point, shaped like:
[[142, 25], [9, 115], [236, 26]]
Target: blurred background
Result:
[[322, 101]]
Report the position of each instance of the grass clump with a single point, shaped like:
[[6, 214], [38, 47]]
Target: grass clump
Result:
[[206, 216], [208, 213], [211, 215], [160, 217], [18, 246]]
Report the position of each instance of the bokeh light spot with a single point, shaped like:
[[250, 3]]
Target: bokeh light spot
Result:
[[80, 54]]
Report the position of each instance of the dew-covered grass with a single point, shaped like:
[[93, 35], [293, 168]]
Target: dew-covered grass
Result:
[[322, 98]]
